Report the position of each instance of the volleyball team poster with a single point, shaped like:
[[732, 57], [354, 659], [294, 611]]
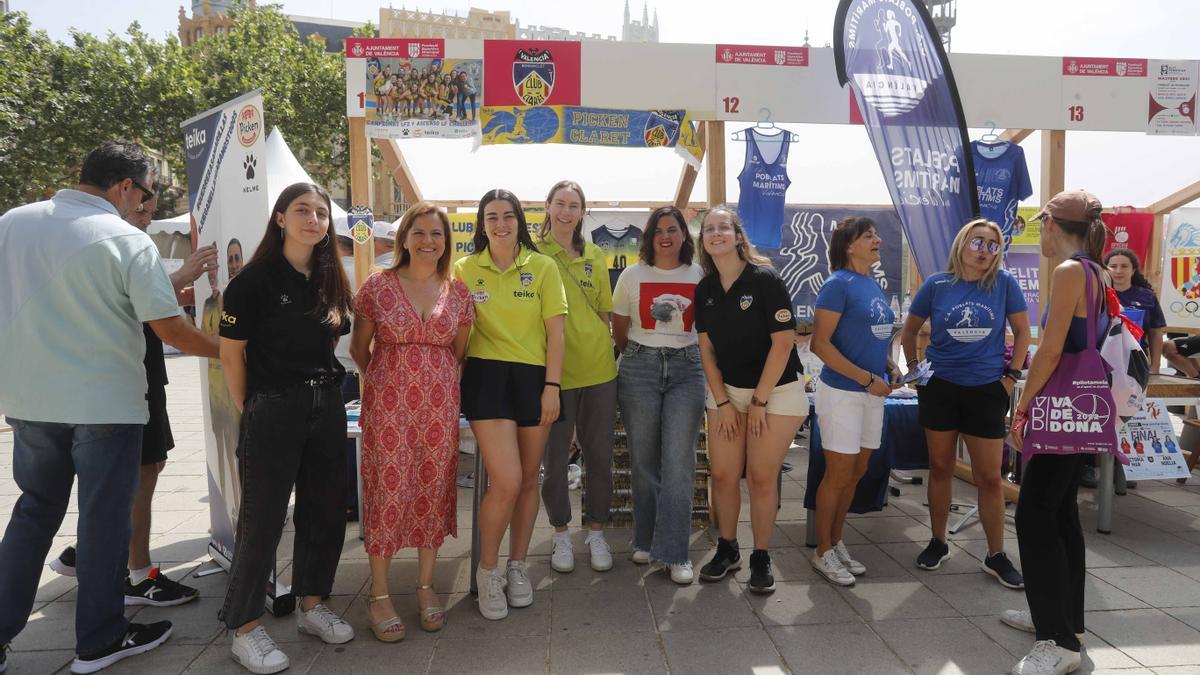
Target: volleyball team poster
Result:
[[1180, 283]]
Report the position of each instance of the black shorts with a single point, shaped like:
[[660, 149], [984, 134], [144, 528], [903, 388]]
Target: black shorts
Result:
[[975, 411], [156, 434], [1187, 346], [503, 390]]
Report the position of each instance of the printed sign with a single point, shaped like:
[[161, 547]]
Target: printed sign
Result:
[[409, 89], [1180, 284], [1173, 86], [759, 55], [1026, 267], [1075, 66], [1025, 230], [531, 72], [1148, 440], [1130, 230]]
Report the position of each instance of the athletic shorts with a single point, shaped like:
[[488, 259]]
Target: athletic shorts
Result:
[[503, 390], [156, 434], [1187, 346], [786, 399], [975, 411], [848, 420]]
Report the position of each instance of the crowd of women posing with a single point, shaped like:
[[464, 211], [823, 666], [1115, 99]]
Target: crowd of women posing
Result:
[[518, 337]]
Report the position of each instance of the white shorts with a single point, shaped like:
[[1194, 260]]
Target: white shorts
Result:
[[848, 420], [786, 399]]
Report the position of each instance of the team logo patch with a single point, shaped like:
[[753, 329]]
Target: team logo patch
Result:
[[249, 125], [745, 301], [783, 316], [479, 297], [533, 75], [662, 128], [526, 278], [587, 269]]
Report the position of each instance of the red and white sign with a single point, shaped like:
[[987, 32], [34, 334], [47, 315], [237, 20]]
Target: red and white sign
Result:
[[1088, 67], [760, 55], [392, 48]]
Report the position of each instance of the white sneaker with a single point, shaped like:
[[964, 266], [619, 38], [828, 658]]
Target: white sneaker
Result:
[[563, 557], [853, 566], [322, 622], [830, 566], [601, 554], [1021, 619], [257, 653], [1047, 658], [519, 590], [640, 557], [682, 573], [492, 603]]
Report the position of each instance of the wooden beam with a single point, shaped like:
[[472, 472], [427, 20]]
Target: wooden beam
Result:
[[1054, 165], [390, 149], [360, 193], [714, 156], [1015, 135], [1169, 204], [1153, 266], [687, 178]]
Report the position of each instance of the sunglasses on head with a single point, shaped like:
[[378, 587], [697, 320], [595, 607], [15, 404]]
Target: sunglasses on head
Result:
[[979, 244]]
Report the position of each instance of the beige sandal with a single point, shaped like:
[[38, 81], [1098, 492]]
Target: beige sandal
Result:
[[388, 630], [432, 618]]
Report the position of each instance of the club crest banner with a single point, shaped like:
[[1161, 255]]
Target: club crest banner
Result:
[[1180, 284], [575, 125], [531, 72], [891, 56]]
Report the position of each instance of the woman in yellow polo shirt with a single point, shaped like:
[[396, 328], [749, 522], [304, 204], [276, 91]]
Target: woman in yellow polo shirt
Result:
[[589, 380], [510, 386]]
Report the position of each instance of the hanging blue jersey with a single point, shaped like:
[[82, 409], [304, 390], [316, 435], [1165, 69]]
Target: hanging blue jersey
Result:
[[620, 248], [1002, 179], [762, 187]]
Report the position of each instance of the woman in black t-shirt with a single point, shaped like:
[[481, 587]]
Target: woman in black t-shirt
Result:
[[756, 400], [283, 316]]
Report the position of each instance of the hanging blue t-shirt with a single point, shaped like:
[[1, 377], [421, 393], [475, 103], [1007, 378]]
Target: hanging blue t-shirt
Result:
[[1002, 179], [763, 186], [966, 341], [864, 332]]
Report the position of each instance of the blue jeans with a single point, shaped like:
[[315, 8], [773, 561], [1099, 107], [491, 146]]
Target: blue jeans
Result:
[[46, 458], [661, 392]]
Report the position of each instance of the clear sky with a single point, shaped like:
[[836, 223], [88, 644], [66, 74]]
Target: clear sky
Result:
[[831, 164]]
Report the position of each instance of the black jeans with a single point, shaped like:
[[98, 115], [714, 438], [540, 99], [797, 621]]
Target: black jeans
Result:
[[291, 437], [1052, 550]]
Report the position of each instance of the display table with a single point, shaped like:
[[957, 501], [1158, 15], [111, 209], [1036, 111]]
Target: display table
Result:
[[902, 447]]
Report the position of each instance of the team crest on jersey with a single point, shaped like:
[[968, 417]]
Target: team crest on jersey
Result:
[[533, 75], [526, 278], [745, 301], [587, 269], [662, 128], [479, 297]]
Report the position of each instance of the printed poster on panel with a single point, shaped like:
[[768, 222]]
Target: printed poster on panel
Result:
[[1026, 267], [1173, 86], [1149, 441], [531, 72], [1180, 283]]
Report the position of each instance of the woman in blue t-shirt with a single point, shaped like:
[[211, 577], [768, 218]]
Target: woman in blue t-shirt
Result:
[[851, 335], [968, 395]]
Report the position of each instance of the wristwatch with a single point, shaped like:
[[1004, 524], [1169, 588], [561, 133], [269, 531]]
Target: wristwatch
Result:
[[1012, 374], [757, 403]]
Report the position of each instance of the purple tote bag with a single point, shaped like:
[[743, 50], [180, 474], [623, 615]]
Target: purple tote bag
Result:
[[1074, 413]]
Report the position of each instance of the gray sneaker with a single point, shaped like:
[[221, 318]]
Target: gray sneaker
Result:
[[520, 591], [492, 603]]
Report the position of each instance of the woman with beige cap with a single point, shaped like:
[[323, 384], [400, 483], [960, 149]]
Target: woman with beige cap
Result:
[[1048, 530]]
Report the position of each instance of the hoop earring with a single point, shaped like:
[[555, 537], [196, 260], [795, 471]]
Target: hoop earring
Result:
[[325, 241]]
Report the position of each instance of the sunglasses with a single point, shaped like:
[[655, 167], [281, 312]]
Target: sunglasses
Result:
[[979, 244], [147, 194]]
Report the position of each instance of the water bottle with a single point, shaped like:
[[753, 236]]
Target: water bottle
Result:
[[907, 305], [895, 306]]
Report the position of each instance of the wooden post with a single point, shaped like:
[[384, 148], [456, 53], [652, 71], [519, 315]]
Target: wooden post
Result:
[[1054, 153], [714, 158], [687, 178], [360, 191], [1152, 266]]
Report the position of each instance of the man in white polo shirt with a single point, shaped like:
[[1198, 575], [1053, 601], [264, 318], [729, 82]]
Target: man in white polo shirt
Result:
[[76, 283]]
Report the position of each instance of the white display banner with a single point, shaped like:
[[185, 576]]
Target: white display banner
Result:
[[1173, 86], [227, 194], [1180, 284], [1148, 440]]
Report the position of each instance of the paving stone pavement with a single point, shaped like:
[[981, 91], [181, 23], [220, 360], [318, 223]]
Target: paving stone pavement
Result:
[[1143, 595]]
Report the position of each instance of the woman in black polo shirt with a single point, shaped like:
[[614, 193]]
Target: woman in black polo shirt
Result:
[[756, 399], [283, 316]]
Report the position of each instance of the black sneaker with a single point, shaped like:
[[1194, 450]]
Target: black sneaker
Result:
[[139, 638], [934, 554], [727, 559], [64, 564], [158, 591], [761, 580], [1002, 568]]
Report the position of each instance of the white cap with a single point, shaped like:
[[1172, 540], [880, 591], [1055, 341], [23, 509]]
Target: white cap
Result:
[[385, 230]]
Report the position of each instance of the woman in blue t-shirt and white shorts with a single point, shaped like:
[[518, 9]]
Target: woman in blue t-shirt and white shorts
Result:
[[968, 395], [851, 335]]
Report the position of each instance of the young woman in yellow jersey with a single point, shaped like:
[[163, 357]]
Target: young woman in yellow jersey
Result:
[[510, 386]]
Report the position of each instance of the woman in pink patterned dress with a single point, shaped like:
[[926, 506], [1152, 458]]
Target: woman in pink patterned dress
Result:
[[419, 318]]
